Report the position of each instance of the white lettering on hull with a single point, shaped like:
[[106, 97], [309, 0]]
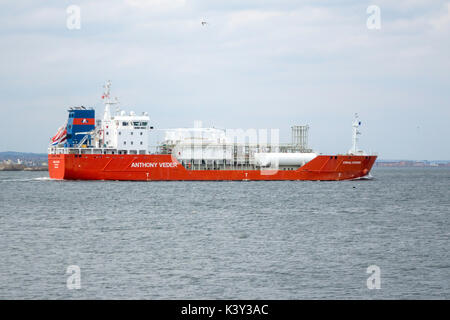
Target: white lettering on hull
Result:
[[56, 164], [154, 164], [351, 162]]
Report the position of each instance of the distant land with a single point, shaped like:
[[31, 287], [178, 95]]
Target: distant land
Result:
[[412, 163], [27, 161], [23, 161]]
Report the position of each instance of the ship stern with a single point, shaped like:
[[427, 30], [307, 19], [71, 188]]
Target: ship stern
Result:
[[56, 166]]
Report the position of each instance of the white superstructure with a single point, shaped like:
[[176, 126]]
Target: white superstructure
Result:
[[126, 133]]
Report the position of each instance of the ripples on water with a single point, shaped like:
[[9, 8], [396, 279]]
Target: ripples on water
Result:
[[233, 240]]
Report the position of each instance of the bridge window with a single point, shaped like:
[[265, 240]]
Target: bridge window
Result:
[[124, 142], [124, 124]]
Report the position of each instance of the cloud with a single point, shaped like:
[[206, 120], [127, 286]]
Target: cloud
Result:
[[255, 64], [157, 5], [248, 17], [442, 21]]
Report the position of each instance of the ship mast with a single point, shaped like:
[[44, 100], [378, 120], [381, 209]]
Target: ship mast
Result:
[[356, 124], [108, 101]]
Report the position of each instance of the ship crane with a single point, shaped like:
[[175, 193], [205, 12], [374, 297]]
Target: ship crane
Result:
[[87, 135]]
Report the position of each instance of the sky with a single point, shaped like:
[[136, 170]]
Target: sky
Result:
[[254, 64]]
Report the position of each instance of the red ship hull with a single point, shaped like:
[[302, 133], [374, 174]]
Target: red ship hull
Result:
[[159, 167]]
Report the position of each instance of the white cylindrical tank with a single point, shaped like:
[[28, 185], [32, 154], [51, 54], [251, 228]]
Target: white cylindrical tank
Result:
[[283, 159]]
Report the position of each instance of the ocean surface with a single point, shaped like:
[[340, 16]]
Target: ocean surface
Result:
[[226, 240]]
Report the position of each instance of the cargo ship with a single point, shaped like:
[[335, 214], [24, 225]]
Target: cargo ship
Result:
[[117, 147]]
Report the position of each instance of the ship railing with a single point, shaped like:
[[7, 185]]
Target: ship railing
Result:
[[240, 148], [61, 150]]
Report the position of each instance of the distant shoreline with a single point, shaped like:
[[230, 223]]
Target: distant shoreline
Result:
[[412, 164], [23, 168]]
